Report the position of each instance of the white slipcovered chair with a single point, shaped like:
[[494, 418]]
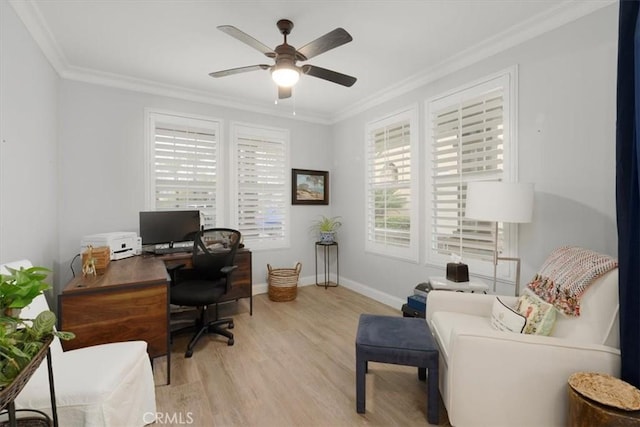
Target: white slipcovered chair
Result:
[[102, 385], [495, 378]]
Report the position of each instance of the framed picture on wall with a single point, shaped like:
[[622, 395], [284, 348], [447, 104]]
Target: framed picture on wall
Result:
[[309, 187]]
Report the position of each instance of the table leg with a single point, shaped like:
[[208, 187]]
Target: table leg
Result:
[[317, 265], [52, 389], [326, 266], [361, 369], [433, 396], [12, 414], [337, 266]]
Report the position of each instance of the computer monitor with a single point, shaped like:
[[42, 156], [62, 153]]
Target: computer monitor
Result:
[[168, 227]]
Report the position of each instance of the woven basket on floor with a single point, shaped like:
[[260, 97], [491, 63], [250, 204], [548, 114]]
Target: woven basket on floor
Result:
[[283, 283]]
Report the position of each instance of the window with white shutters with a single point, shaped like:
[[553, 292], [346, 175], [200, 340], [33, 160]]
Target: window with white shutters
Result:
[[391, 215], [470, 140], [183, 165], [262, 185]]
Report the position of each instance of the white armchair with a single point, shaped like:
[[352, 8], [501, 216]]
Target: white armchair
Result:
[[102, 385], [493, 378]]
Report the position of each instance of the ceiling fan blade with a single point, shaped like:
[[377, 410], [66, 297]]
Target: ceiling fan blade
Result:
[[331, 40], [332, 76], [284, 92], [247, 39], [239, 70]]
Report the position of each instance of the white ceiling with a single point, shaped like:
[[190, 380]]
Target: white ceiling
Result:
[[170, 46]]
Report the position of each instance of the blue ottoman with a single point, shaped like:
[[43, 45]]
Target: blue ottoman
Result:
[[401, 341]]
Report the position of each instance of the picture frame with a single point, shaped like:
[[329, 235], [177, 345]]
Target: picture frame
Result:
[[309, 187]]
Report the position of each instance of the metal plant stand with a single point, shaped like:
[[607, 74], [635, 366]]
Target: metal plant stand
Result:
[[326, 252]]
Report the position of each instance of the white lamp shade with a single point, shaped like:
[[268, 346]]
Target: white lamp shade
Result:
[[499, 201], [285, 76]]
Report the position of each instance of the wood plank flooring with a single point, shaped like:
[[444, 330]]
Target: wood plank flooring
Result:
[[293, 364]]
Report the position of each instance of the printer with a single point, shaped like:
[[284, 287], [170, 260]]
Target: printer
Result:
[[122, 244]]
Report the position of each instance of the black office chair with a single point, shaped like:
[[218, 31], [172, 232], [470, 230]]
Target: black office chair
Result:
[[207, 281]]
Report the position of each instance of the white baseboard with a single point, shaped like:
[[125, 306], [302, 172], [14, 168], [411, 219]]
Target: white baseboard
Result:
[[263, 288], [372, 293], [384, 298]]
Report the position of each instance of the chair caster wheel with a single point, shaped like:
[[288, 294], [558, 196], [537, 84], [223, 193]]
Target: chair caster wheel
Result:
[[230, 342], [188, 354], [231, 325]]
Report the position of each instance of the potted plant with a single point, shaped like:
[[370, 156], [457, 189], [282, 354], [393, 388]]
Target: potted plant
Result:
[[326, 228], [19, 288], [22, 339]]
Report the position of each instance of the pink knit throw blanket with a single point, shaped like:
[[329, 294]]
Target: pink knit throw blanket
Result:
[[566, 274]]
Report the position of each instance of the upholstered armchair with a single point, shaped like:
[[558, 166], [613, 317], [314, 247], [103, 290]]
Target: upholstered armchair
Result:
[[501, 378], [102, 385]]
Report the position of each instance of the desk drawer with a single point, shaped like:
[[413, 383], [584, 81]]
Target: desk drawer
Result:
[[128, 313]]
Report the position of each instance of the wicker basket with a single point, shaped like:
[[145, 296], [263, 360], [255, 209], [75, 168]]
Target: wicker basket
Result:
[[9, 393], [283, 283]]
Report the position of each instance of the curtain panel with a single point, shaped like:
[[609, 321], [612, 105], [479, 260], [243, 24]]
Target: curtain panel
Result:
[[627, 188]]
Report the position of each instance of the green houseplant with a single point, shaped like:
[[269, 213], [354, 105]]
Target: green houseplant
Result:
[[22, 339], [326, 228], [20, 287]]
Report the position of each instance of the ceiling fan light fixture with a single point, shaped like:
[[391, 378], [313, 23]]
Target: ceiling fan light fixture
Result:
[[285, 76]]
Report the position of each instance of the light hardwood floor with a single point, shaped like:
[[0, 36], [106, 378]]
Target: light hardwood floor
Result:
[[293, 364]]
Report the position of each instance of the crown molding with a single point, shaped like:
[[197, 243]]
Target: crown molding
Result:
[[119, 81], [28, 12], [32, 19], [564, 13]]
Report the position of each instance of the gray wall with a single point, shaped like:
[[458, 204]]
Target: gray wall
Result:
[[85, 145], [566, 136], [102, 167], [28, 147]]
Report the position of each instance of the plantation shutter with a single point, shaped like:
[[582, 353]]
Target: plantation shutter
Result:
[[467, 145], [391, 204], [185, 168], [262, 190]]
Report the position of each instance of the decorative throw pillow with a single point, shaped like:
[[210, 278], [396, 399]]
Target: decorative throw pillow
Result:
[[540, 315], [504, 318]]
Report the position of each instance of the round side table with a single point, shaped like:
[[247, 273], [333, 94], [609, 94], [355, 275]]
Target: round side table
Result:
[[592, 397]]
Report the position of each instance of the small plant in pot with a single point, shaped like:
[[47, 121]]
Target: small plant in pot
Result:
[[19, 288], [22, 339], [326, 228]]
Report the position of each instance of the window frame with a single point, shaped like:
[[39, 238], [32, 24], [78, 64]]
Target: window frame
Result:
[[410, 252], [153, 117], [507, 80], [267, 132]]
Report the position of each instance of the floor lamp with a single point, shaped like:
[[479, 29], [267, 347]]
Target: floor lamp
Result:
[[496, 202]]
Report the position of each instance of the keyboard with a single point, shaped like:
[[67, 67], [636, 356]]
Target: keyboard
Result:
[[173, 250]]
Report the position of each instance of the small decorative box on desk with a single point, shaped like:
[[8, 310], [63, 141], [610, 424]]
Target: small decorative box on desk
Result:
[[457, 272]]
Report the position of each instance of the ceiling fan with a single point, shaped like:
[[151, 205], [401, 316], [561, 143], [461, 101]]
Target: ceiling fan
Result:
[[285, 72]]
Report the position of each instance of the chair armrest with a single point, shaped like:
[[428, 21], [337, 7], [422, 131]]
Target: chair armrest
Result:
[[173, 270], [463, 302], [527, 373], [228, 269]]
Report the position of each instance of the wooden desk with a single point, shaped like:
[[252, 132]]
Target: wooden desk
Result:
[[242, 283], [129, 302]]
